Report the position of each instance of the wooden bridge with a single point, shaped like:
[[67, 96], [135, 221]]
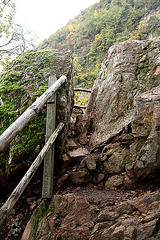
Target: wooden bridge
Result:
[[47, 152]]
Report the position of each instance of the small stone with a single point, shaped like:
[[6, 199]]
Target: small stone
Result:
[[114, 181], [66, 161], [100, 185], [63, 179], [91, 162], [70, 145], [118, 233], [106, 215], [30, 200], [100, 177], [79, 152], [79, 176], [103, 157], [109, 152], [33, 205], [13, 211]]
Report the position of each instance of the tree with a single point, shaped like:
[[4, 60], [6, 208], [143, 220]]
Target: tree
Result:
[[152, 4], [21, 41], [7, 11], [13, 38]]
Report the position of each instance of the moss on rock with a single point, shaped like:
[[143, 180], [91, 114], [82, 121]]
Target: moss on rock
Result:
[[21, 82]]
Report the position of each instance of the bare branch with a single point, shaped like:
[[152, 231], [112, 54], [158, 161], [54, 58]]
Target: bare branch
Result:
[[8, 42]]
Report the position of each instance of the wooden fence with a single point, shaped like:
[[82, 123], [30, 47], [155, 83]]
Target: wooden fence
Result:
[[47, 152], [8, 135], [81, 90]]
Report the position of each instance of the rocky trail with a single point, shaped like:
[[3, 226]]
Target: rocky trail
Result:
[[87, 213], [107, 179], [84, 207]]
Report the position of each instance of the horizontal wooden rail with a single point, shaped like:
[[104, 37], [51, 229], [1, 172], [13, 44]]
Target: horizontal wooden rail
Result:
[[79, 106], [9, 204], [8, 135], [82, 90]]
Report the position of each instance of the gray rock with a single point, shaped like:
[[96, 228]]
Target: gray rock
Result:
[[117, 158], [91, 162], [79, 152], [70, 145], [79, 177], [124, 106], [114, 181], [66, 161]]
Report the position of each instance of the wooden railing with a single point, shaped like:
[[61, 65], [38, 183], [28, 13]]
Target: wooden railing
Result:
[[81, 90], [9, 134]]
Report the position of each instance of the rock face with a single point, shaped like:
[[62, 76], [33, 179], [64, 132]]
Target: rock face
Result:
[[145, 151], [122, 122], [126, 100], [130, 68], [25, 79], [100, 215]]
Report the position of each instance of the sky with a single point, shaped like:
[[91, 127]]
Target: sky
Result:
[[44, 17]]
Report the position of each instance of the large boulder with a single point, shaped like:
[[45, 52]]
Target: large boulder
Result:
[[145, 151], [22, 81], [125, 101], [129, 68]]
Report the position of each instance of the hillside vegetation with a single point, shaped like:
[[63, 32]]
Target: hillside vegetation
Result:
[[90, 34]]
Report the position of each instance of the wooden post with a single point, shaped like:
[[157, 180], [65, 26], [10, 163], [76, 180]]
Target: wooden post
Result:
[[11, 201], [48, 171]]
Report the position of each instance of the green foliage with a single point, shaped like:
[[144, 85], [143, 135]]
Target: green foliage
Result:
[[80, 99], [15, 227], [22, 81], [152, 24], [152, 4], [38, 218], [51, 210], [7, 11], [90, 34], [41, 90]]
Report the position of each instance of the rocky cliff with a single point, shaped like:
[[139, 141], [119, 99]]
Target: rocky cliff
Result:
[[130, 68], [123, 105], [123, 116], [109, 187]]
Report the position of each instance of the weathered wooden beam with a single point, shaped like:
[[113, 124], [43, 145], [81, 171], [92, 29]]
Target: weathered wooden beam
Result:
[[82, 90], [48, 170], [9, 204], [8, 135], [79, 106]]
